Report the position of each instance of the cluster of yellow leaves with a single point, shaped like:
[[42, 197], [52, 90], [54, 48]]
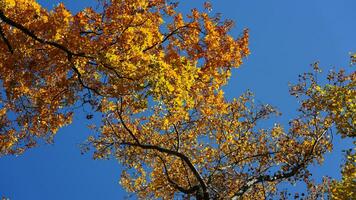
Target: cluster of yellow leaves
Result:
[[20, 5], [336, 99], [345, 189]]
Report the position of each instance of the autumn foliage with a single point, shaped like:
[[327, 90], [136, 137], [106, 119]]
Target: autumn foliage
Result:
[[156, 76]]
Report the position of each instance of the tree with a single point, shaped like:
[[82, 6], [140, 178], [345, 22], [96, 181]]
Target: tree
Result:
[[156, 78]]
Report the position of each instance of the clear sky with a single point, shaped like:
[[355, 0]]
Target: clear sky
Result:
[[286, 37]]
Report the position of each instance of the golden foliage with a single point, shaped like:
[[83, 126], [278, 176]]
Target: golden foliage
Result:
[[345, 189], [156, 78]]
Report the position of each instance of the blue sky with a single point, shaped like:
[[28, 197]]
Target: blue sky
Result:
[[286, 37]]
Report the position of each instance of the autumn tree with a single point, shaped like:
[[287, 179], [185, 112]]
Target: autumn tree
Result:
[[156, 78]]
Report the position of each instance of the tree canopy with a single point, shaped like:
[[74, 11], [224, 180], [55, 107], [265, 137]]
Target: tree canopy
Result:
[[155, 77]]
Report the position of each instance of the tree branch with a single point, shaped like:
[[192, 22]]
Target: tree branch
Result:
[[279, 176], [2, 34], [119, 112], [185, 191], [165, 38], [174, 153], [163, 150], [79, 76], [178, 138], [40, 40]]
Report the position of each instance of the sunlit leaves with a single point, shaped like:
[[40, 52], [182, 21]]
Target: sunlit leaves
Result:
[[155, 77], [345, 189], [337, 99]]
